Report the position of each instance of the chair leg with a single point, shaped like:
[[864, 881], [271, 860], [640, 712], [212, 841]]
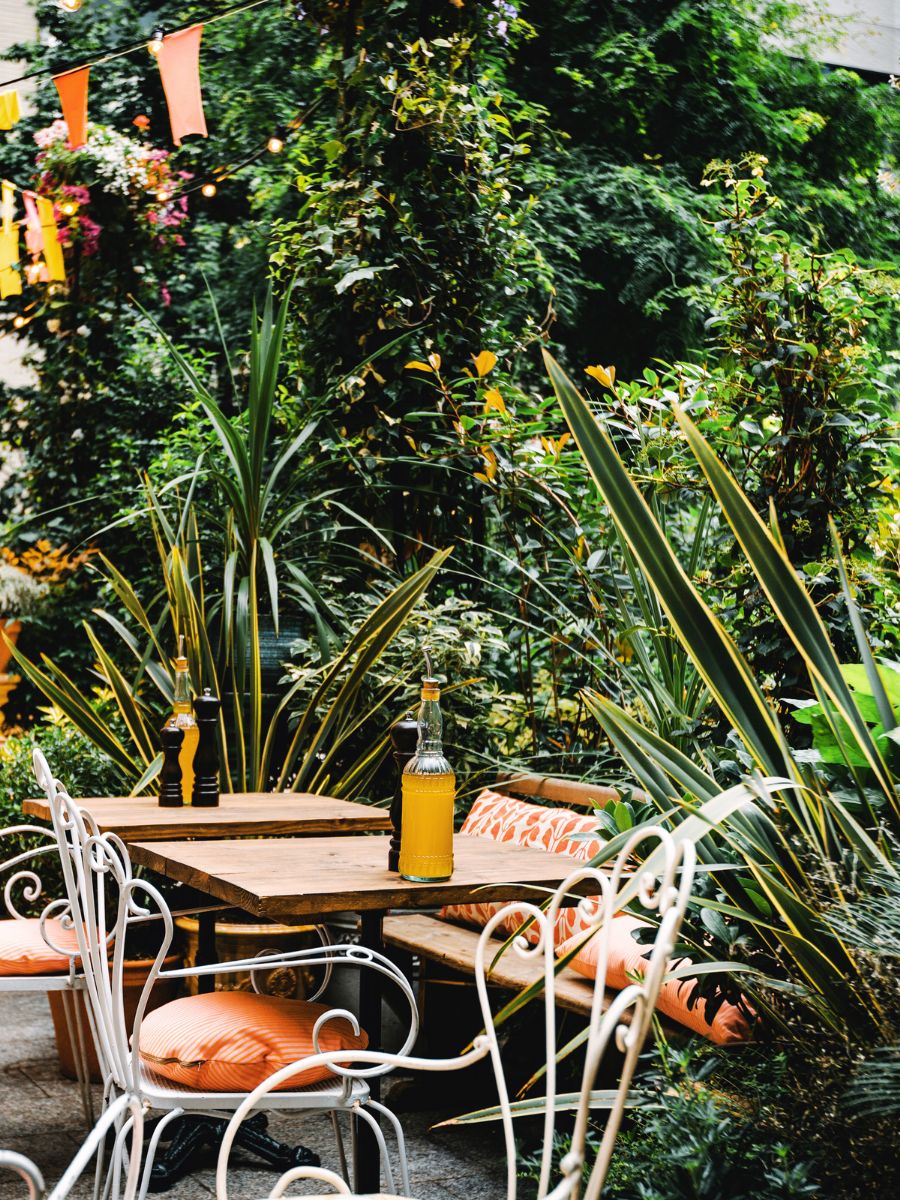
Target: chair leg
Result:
[[119, 1158], [382, 1146], [108, 1095], [152, 1145], [394, 1122], [339, 1141], [75, 1030]]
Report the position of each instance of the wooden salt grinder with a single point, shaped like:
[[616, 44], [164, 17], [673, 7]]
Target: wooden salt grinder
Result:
[[206, 756], [170, 776], [404, 738]]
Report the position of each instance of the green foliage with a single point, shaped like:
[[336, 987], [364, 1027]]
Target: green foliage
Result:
[[799, 854], [799, 391], [470, 649], [697, 1142], [643, 94]]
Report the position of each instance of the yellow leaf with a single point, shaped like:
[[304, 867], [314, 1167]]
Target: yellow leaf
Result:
[[435, 360], [604, 375], [484, 362], [490, 461], [415, 365], [493, 399], [565, 437]]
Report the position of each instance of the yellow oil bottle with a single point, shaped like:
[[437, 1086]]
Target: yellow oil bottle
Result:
[[183, 718], [428, 787]]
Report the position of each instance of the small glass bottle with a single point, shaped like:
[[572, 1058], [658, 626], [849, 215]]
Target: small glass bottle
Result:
[[183, 718], [429, 791]]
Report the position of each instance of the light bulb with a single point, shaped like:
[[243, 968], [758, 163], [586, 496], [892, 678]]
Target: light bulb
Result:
[[19, 322], [155, 43], [208, 190], [33, 272], [68, 208], [163, 195], [70, 5], [275, 144]]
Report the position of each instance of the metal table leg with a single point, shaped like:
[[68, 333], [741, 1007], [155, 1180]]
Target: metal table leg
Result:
[[206, 950], [370, 996]]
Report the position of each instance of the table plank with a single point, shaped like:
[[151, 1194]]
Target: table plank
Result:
[[140, 818], [300, 877]]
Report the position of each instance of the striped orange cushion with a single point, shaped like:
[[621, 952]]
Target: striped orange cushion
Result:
[[627, 959], [23, 950], [232, 1041]]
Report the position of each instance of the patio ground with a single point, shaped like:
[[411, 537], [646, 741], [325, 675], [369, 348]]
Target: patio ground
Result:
[[40, 1115]]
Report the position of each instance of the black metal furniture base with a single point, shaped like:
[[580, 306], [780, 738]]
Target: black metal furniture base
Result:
[[193, 1135]]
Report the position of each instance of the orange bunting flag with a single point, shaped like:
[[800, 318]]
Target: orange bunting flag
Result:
[[179, 67], [73, 96], [10, 279], [9, 109], [42, 238]]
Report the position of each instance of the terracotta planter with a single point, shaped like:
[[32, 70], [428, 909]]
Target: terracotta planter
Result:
[[135, 974], [235, 940], [12, 630]]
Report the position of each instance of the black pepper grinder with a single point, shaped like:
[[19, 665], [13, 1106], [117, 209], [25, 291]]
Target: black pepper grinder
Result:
[[206, 758], [170, 795], [404, 737]]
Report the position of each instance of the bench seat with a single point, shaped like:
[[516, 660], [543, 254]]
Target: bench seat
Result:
[[454, 946]]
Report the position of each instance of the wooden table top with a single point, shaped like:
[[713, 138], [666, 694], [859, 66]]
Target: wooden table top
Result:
[[140, 818], [300, 877]]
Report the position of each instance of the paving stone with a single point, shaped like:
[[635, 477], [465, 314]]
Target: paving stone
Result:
[[40, 1115]]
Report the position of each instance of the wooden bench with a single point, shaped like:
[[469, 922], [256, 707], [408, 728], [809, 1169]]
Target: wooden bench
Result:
[[452, 947]]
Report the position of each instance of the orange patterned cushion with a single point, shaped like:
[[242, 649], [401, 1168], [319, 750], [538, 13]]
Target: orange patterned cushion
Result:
[[23, 950], [507, 820], [502, 819], [627, 960], [232, 1041]]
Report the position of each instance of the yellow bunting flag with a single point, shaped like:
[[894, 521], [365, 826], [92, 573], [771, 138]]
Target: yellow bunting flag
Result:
[[10, 279], [9, 109], [53, 255], [42, 238]]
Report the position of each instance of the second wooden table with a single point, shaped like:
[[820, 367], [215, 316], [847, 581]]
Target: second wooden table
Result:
[[239, 814]]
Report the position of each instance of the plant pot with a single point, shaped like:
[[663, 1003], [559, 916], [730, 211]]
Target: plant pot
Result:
[[11, 628], [135, 976], [236, 940]]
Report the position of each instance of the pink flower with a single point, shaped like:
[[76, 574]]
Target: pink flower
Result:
[[166, 295]]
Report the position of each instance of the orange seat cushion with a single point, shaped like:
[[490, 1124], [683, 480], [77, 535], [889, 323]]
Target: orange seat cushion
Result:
[[232, 1041], [626, 962], [23, 950]]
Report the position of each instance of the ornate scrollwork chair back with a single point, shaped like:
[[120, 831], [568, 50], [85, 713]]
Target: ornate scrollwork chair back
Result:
[[105, 900], [659, 888]]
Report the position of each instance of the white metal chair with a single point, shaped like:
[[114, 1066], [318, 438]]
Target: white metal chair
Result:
[[22, 884], [106, 901], [661, 886], [126, 1114]]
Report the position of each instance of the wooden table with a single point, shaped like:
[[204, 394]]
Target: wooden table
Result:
[[239, 814], [298, 878], [294, 879]]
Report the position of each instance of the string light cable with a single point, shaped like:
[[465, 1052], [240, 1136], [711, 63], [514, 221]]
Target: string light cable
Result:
[[133, 47], [208, 187]]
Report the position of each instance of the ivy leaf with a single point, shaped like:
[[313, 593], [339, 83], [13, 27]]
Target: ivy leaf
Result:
[[357, 275], [484, 362], [604, 375]]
